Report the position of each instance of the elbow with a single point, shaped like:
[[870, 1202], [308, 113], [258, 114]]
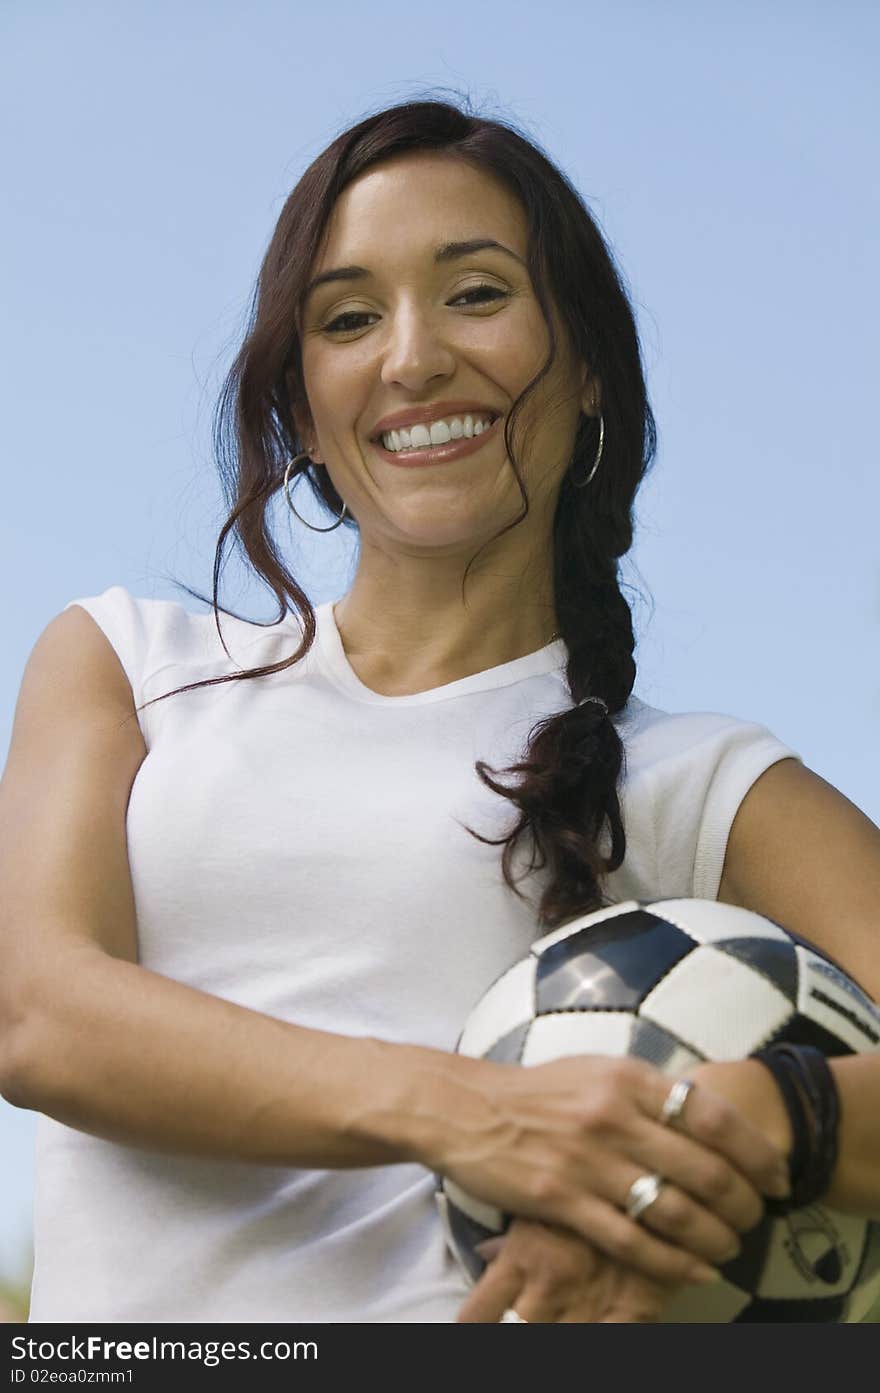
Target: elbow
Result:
[[14, 1071], [37, 1031], [24, 1051]]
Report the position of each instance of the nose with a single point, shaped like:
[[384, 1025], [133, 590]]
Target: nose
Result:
[[414, 352]]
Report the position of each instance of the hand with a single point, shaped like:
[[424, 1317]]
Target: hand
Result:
[[563, 1142], [547, 1273], [750, 1087]]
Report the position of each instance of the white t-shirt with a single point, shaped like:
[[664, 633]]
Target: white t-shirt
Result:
[[297, 846]]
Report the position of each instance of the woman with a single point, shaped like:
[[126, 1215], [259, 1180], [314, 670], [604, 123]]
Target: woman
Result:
[[248, 922]]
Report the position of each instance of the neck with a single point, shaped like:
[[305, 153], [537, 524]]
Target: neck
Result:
[[401, 638]]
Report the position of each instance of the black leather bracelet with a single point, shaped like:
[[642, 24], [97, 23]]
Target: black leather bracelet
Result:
[[810, 1094], [801, 1126], [818, 1080]]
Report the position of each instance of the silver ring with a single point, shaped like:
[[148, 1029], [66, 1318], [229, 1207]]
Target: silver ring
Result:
[[642, 1193], [675, 1101], [510, 1316]]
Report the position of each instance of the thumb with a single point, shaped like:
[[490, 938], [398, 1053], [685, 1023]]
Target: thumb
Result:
[[489, 1248]]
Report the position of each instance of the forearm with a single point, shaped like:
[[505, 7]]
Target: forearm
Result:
[[855, 1185], [111, 1048], [856, 1181]]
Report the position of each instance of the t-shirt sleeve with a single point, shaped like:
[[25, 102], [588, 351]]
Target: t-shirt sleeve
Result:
[[121, 618], [698, 787]]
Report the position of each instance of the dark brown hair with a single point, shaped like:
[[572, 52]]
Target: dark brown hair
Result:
[[567, 788]]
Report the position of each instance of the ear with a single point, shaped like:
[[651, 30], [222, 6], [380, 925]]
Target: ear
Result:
[[591, 393], [310, 445], [302, 420]]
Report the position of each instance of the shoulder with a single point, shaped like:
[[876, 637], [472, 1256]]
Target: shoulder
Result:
[[150, 635], [672, 740], [686, 773], [801, 853]]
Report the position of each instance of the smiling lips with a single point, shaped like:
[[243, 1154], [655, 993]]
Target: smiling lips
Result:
[[440, 453]]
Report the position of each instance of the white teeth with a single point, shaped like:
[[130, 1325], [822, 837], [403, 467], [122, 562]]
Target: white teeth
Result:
[[438, 433]]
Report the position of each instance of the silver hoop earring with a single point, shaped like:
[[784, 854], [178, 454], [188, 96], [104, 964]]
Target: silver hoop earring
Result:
[[290, 463], [589, 477]]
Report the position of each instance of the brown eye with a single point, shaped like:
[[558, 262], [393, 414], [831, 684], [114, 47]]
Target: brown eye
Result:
[[492, 290], [341, 324]]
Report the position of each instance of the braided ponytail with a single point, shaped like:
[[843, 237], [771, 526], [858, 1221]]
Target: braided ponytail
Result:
[[567, 795]]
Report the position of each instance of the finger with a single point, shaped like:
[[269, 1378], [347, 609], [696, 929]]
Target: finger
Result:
[[544, 1302], [637, 1302], [631, 1313], [489, 1248], [497, 1289], [504, 1285], [676, 1216], [623, 1297], [545, 1305], [719, 1125], [635, 1246], [703, 1174]]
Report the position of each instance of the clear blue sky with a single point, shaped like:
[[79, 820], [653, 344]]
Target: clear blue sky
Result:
[[729, 153]]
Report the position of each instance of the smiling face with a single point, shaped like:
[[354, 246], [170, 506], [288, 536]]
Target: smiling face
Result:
[[430, 335]]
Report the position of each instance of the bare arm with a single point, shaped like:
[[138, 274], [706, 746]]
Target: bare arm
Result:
[[93, 1039], [124, 1053], [804, 855]]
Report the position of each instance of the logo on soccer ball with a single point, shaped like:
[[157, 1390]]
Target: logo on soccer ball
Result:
[[815, 1246]]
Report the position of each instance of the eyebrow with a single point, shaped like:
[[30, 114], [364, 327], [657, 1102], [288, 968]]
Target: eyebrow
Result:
[[448, 251]]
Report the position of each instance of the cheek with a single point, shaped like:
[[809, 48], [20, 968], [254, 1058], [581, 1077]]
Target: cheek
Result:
[[330, 388], [518, 344]]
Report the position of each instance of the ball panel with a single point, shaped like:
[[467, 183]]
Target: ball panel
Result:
[[869, 1011], [508, 1050], [608, 965], [712, 921], [815, 1253], [762, 1310], [442, 1204], [744, 1271], [865, 1295], [717, 1006], [462, 1236], [510, 1000], [800, 1030], [659, 1048], [773, 959], [719, 1305], [577, 1032], [595, 916], [841, 1009], [478, 1211]]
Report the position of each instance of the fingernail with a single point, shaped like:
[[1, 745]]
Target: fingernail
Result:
[[780, 1186], [703, 1274]]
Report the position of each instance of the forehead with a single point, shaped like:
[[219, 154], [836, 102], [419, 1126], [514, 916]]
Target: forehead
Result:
[[413, 202]]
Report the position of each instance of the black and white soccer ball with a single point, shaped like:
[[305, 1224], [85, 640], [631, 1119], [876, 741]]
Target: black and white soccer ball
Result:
[[676, 982]]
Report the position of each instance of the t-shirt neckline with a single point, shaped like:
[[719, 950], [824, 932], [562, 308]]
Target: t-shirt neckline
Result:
[[550, 658]]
